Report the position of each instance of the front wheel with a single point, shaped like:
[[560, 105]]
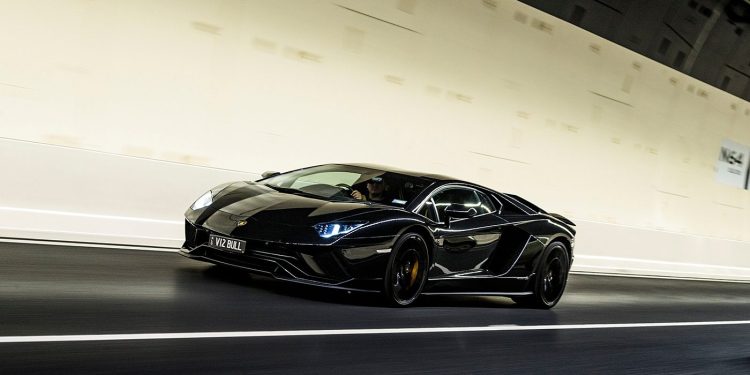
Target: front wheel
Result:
[[406, 273], [550, 279]]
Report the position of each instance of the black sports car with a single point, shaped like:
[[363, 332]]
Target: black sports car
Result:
[[374, 229]]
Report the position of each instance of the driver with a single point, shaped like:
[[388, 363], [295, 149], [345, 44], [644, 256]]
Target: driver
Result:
[[377, 191]]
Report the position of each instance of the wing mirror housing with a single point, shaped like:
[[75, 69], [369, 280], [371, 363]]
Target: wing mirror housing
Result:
[[458, 211], [268, 174]]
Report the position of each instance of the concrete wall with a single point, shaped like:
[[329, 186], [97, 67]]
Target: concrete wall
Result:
[[114, 116]]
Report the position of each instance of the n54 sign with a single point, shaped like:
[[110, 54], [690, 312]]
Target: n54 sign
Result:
[[732, 165]]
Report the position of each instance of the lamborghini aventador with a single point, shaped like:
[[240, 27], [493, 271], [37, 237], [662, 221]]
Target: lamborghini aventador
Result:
[[369, 228]]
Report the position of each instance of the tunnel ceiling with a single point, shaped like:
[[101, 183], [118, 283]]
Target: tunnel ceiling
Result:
[[706, 39]]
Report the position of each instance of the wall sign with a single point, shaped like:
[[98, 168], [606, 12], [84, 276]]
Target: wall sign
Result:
[[732, 165]]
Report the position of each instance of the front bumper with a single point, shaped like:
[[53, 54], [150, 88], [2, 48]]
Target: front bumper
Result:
[[322, 266]]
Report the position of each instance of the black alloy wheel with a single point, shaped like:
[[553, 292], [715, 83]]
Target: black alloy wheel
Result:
[[406, 273], [550, 279]]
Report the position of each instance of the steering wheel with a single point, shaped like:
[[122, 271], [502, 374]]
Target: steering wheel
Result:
[[346, 190]]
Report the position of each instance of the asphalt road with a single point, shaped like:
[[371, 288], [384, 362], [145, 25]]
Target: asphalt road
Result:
[[57, 290]]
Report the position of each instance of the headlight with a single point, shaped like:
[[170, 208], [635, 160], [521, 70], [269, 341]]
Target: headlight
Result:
[[328, 230], [203, 201]]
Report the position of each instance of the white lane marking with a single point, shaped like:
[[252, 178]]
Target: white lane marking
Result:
[[85, 244], [340, 332]]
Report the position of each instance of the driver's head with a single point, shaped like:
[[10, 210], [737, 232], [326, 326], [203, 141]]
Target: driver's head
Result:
[[375, 185]]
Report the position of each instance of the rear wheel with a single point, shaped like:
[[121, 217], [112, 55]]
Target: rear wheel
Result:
[[406, 273], [550, 279]]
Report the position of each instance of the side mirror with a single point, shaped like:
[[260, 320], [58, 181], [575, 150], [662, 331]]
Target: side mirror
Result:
[[268, 174], [458, 211]]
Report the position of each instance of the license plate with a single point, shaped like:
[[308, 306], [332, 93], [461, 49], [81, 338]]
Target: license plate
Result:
[[226, 244]]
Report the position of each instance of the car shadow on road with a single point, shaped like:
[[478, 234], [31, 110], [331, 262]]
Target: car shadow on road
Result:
[[334, 296]]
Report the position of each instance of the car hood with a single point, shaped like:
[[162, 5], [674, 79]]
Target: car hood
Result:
[[265, 210]]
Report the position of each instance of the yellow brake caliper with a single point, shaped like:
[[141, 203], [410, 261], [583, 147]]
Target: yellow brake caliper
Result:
[[413, 273]]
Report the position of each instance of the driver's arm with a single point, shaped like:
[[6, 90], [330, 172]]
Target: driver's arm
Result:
[[357, 195]]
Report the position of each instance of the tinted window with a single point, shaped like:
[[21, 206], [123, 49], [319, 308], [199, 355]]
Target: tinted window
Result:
[[509, 208], [428, 210], [468, 198], [326, 177]]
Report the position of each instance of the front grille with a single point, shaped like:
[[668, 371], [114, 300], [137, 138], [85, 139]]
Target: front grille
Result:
[[273, 257], [254, 263], [194, 237], [330, 265], [286, 267]]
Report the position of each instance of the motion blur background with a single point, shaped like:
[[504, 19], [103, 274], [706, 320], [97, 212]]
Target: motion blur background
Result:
[[116, 115]]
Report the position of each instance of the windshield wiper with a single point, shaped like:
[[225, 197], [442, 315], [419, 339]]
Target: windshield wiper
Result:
[[292, 191], [284, 189]]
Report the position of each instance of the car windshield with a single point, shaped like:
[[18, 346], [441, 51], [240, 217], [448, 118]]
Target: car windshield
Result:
[[350, 183]]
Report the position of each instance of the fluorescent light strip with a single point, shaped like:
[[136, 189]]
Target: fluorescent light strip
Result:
[[662, 271], [78, 233], [341, 332], [95, 216], [608, 258], [649, 276], [87, 244]]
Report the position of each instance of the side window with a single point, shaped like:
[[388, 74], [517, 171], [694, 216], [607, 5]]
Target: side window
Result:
[[468, 198], [485, 203], [428, 210], [509, 208]]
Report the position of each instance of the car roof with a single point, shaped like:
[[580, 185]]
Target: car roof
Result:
[[403, 171]]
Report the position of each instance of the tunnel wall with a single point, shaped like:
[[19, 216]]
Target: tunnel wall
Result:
[[115, 116]]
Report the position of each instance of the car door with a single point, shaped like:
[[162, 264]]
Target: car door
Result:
[[464, 244]]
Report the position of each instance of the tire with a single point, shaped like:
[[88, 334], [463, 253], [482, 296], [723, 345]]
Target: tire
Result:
[[406, 273], [550, 279]]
